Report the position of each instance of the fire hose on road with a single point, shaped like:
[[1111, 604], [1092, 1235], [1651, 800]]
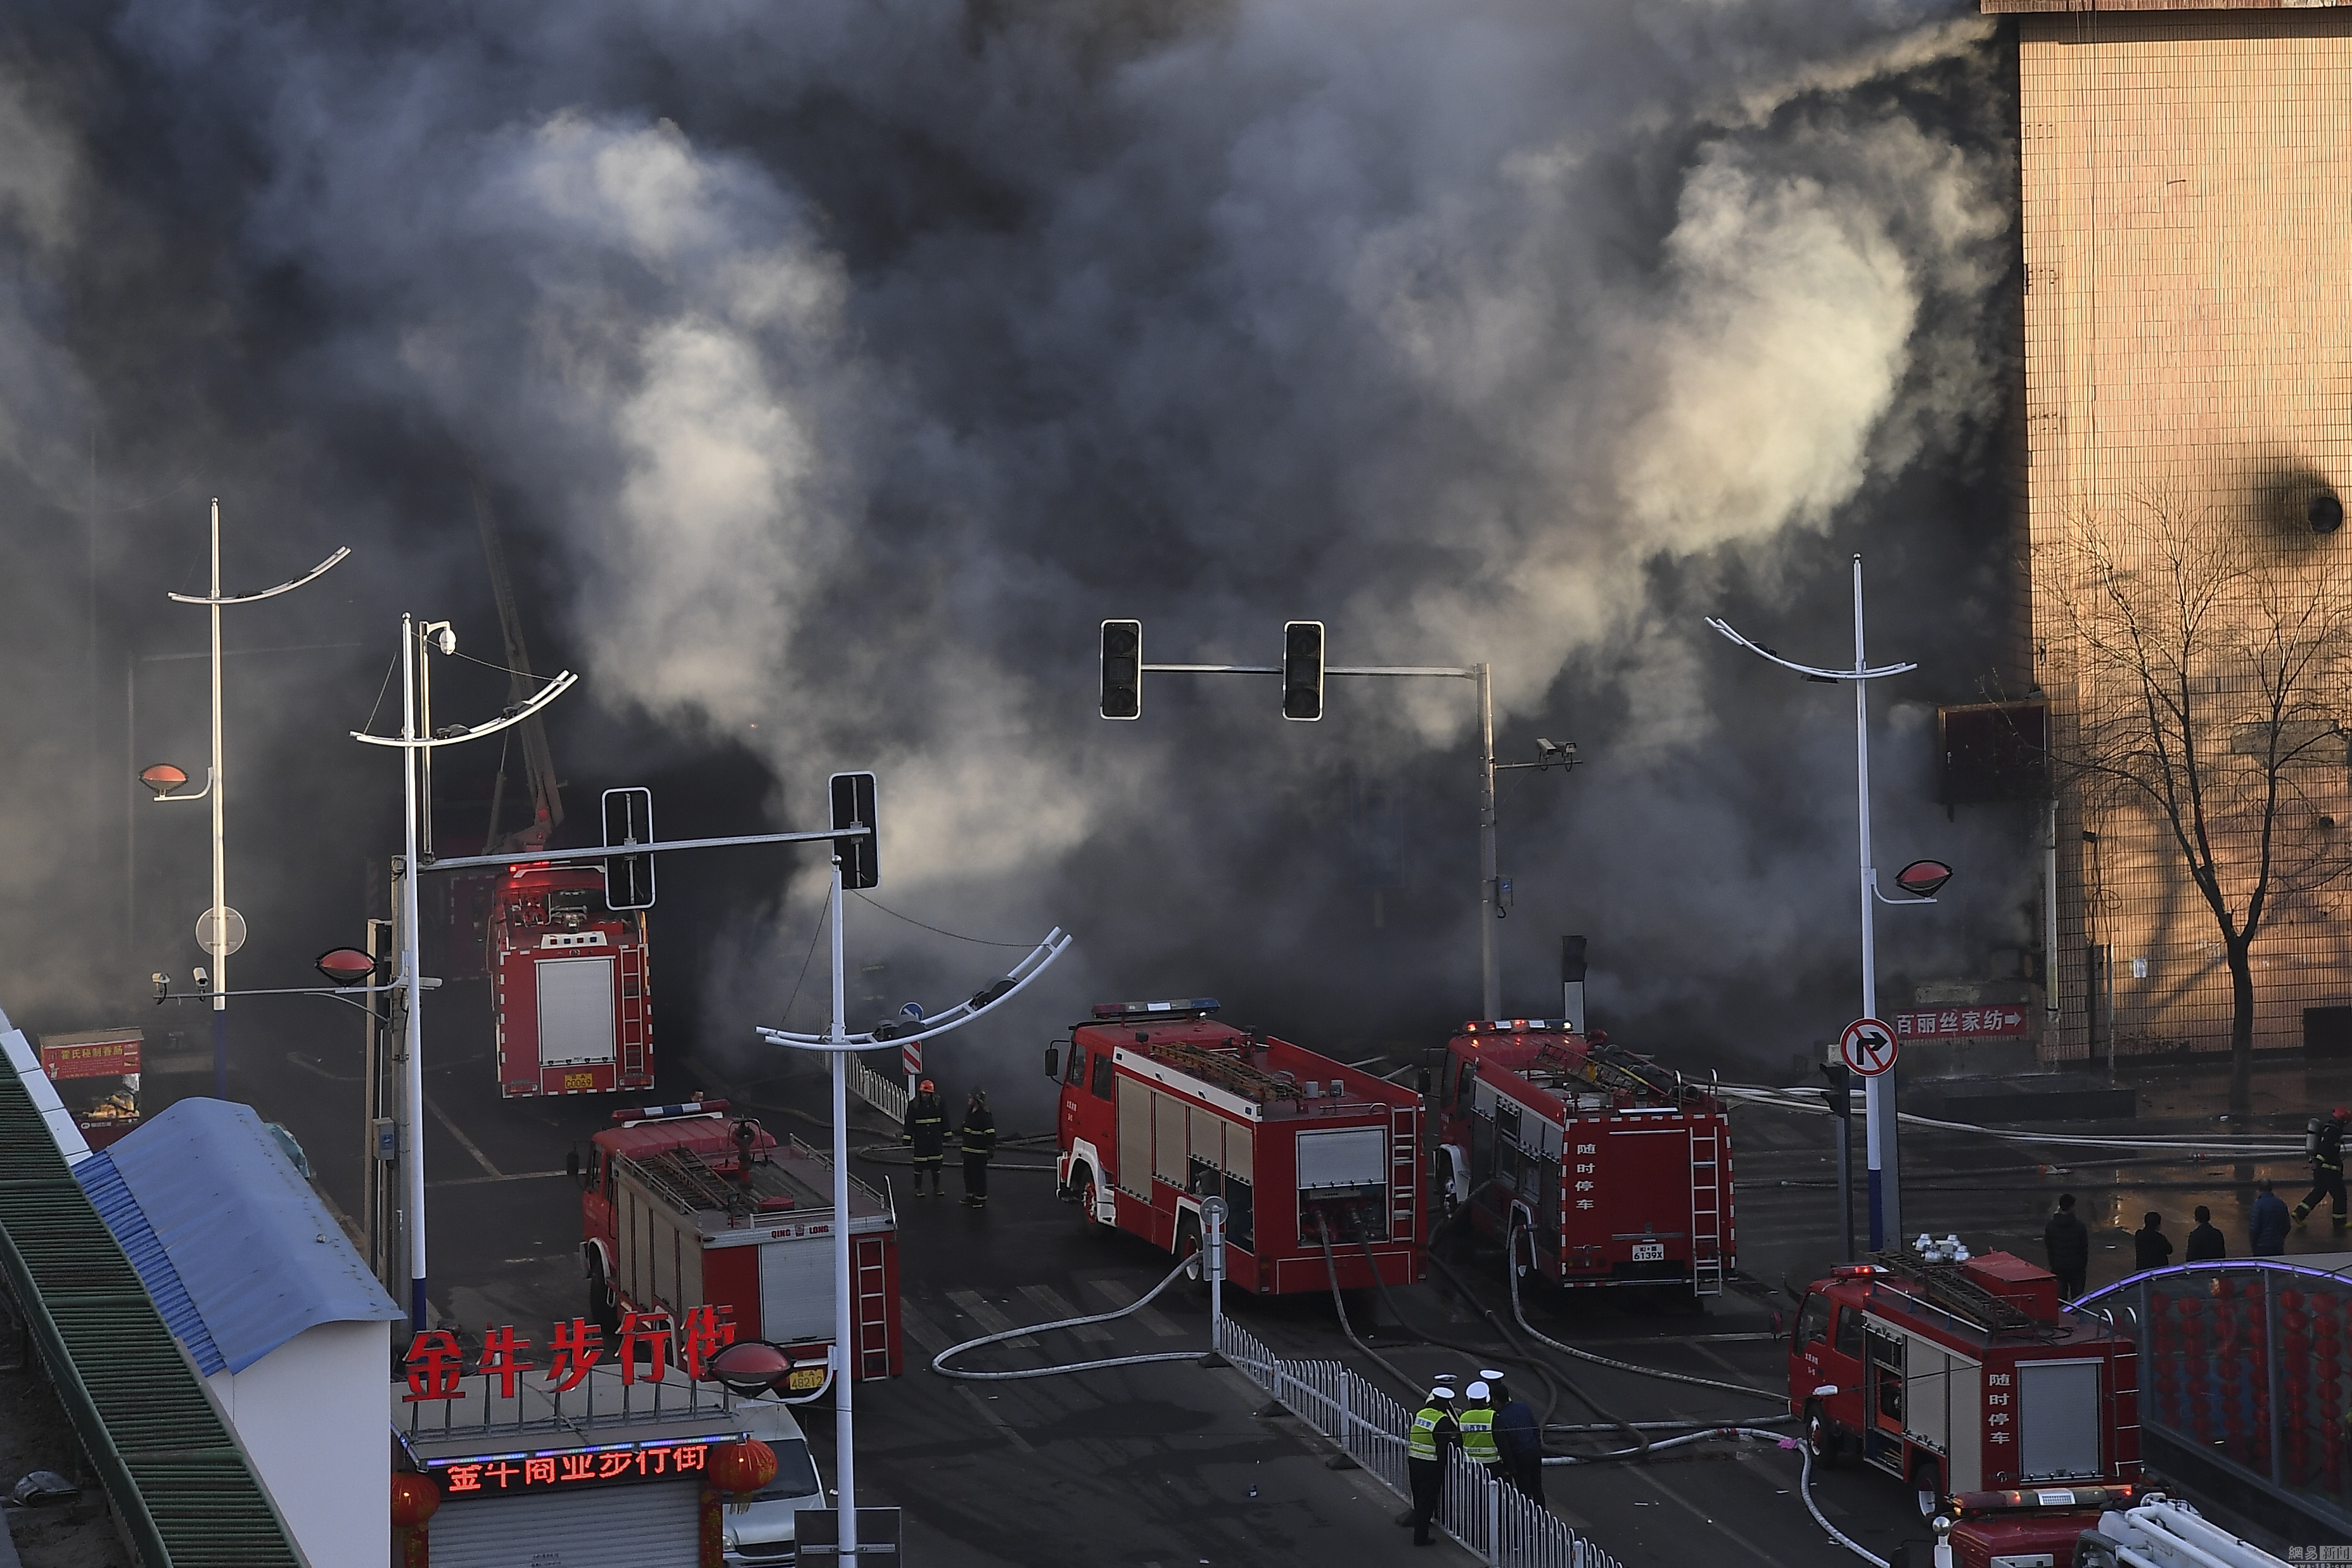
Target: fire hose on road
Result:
[[939, 1362]]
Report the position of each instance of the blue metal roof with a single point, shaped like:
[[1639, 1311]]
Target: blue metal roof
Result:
[[257, 1254], [123, 1216]]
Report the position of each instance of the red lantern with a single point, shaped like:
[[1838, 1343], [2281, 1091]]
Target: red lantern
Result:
[[742, 1468], [414, 1499]]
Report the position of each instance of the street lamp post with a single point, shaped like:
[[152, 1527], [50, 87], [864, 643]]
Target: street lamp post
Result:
[[414, 748], [838, 1042], [216, 934], [1879, 1102]]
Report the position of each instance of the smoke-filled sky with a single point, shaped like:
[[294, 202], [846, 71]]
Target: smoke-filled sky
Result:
[[833, 369]]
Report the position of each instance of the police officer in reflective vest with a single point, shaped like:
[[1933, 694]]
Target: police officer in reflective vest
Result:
[[926, 1135], [1433, 1432], [1477, 1420]]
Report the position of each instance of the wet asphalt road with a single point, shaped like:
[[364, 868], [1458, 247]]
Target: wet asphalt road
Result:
[[1167, 1464]]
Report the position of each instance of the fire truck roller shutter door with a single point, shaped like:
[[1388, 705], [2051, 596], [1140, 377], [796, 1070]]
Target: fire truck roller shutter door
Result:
[[575, 1012], [653, 1524], [1205, 1144], [1238, 1153], [1134, 1173], [1967, 1401], [1353, 1157], [1926, 1405], [1167, 1137], [2057, 1420], [797, 1290]]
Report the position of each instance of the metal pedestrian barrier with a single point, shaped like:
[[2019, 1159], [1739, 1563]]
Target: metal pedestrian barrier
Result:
[[1499, 1523], [887, 1095]]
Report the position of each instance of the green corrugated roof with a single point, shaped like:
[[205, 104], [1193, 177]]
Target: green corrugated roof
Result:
[[171, 1469]]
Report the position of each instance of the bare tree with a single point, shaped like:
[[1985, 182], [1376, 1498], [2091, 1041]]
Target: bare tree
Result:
[[2201, 695]]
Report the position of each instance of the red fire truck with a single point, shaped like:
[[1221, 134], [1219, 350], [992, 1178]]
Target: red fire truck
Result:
[[570, 994], [1964, 1375], [1619, 1170], [686, 1206], [1161, 1106]]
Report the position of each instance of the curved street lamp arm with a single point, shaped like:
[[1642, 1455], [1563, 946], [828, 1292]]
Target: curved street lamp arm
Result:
[[1820, 674], [315, 572], [1056, 944], [1883, 899], [553, 689]]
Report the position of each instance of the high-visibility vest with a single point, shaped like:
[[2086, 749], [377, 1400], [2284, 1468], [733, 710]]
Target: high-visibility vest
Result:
[[1421, 1443], [1477, 1424]]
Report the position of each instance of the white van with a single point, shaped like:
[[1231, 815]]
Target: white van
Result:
[[761, 1536]]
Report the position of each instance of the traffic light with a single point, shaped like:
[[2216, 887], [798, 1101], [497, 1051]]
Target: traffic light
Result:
[[628, 819], [1122, 669], [853, 807], [1302, 670]]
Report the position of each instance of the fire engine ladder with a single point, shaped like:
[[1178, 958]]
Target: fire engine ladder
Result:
[[1707, 1208], [633, 1012], [1404, 1174], [873, 1324]]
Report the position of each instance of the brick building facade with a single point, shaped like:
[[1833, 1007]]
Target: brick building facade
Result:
[[2186, 183]]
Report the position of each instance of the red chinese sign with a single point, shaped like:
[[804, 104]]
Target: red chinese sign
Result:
[[1956, 1023], [83, 1056], [436, 1368], [557, 1472]]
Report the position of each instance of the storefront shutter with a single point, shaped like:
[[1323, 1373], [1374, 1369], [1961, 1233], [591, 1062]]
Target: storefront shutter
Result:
[[653, 1525]]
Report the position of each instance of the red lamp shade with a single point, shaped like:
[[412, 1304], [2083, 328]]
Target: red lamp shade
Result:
[[163, 777], [743, 1467], [749, 1367], [414, 1498], [1921, 879], [346, 966]]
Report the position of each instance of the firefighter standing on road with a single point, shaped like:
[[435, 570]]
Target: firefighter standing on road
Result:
[[2327, 1168], [1434, 1431], [979, 1143], [925, 1134], [2069, 1246]]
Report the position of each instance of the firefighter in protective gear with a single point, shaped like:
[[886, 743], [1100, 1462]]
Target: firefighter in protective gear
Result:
[[1477, 1420], [979, 1144], [1431, 1433], [925, 1134], [2327, 1168]]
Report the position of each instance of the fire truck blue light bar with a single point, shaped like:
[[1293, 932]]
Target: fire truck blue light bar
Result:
[[1492, 1024], [1146, 1009]]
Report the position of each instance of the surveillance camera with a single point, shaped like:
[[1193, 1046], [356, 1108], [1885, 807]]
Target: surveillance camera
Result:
[[203, 977], [163, 983], [446, 640]]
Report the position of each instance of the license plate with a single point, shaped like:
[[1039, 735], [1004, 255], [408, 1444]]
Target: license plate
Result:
[[805, 1377], [576, 1081], [1649, 1252]]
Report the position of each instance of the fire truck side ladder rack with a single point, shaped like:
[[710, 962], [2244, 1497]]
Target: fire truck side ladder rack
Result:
[[1706, 1207], [1945, 1287], [873, 1308], [1404, 1175], [1243, 1078]]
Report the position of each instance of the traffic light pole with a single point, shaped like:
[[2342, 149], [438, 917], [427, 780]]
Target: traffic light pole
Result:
[[1490, 975]]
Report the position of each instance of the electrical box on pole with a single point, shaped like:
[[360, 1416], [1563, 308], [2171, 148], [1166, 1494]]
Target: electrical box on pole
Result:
[[1122, 669], [628, 822], [1302, 670], [853, 807]]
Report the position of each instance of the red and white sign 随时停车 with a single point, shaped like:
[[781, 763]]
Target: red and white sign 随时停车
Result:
[[1963, 1024]]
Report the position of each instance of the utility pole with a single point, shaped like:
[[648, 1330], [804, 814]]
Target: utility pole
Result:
[[409, 979], [1879, 1102], [215, 933]]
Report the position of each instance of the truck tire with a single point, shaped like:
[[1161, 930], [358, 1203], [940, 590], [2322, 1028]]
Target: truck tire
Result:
[[1927, 1482], [603, 1310], [1082, 1182], [1188, 1248], [1821, 1435]]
